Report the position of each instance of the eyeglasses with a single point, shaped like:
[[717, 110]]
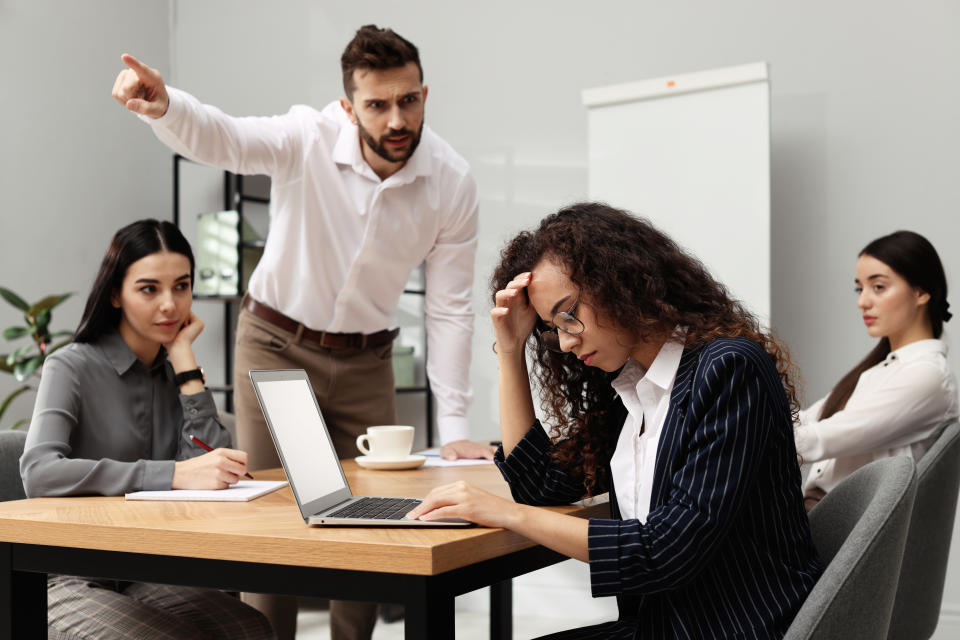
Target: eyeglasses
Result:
[[562, 321]]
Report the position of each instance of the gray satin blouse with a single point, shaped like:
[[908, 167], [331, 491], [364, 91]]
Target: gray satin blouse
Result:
[[104, 423]]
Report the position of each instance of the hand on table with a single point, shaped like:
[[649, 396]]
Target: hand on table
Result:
[[141, 88], [462, 500], [467, 449], [217, 469]]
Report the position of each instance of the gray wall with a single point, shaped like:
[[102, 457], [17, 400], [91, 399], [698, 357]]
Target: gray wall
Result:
[[864, 126], [73, 169]]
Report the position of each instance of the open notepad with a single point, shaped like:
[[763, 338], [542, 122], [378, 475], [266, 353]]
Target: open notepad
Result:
[[243, 491]]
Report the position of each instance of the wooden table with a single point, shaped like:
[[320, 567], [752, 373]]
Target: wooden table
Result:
[[264, 546]]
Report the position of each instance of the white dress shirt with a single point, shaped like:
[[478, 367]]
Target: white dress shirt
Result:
[[896, 409], [646, 396], [342, 243]]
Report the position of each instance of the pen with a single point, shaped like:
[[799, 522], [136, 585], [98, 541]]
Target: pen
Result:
[[209, 448]]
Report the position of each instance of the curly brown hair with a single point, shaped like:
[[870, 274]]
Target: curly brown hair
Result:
[[640, 280]]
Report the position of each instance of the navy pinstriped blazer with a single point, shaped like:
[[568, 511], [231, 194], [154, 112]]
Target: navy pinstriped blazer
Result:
[[726, 549]]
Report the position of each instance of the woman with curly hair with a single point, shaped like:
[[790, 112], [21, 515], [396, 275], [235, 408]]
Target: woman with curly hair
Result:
[[667, 393], [897, 400]]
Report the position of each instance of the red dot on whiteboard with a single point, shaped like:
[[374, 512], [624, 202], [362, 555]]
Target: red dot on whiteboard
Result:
[[671, 83]]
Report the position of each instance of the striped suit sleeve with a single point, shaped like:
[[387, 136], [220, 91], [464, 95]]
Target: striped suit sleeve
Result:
[[730, 412], [531, 474]]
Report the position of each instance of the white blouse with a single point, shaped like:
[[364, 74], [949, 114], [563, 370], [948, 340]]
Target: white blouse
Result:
[[896, 409], [646, 396]]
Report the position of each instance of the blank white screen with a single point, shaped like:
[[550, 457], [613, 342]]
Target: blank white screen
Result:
[[302, 437]]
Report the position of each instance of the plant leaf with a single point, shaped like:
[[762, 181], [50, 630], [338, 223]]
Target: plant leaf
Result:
[[25, 369], [48, 303], [61, 334], [13, 299], [18, 354], [12, 333], [41, 319], [18, 423], [10, 398], [3, 364]]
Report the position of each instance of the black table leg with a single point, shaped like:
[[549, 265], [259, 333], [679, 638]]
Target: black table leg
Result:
[[501, 610], [23, 600], [429, 612]]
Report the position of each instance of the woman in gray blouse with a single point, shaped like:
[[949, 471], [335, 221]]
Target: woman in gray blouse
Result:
[[114, 413]]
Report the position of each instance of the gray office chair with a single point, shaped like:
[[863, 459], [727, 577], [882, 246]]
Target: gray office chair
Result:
[[916, 609], [11, 448], [859, 530]]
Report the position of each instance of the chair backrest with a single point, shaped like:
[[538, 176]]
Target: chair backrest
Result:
[[859, 530], [11, 448], [916, 609]]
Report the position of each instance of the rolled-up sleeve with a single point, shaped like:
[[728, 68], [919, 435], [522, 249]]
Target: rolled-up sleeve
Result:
[[532, 474]]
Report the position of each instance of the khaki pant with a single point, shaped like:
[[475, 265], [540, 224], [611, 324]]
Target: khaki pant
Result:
[[354, 388]]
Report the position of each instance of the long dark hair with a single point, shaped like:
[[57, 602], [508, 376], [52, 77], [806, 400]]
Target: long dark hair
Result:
[[914, 259], [641, 281], [129, 244]]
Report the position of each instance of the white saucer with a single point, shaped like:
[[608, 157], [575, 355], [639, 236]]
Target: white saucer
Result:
[[409, 462]]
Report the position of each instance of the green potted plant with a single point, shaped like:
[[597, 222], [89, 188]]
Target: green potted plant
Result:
[[25, 362]]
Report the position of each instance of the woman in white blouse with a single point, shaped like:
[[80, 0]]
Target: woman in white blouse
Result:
[[898, 398]]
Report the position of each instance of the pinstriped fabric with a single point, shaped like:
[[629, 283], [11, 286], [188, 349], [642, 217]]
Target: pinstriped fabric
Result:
[[726, 550]]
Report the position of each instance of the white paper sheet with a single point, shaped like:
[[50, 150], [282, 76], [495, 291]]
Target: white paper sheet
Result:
[[243, 491], [434, 460]]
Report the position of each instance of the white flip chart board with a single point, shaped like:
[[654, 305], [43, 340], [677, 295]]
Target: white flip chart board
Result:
[[691, 153]]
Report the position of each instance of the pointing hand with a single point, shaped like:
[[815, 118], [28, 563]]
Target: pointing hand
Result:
[[141, 89]]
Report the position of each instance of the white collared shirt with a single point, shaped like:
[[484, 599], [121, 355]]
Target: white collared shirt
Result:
[[646, 396], [342, 242], [896, 409]]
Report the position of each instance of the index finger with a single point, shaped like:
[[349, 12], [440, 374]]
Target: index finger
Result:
[[430, 502], [142, 70], [519, 281]]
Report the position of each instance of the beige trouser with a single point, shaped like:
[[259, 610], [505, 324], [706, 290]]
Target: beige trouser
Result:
[[354, 388]]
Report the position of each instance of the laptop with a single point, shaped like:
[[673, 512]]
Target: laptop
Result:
[[311, 464]]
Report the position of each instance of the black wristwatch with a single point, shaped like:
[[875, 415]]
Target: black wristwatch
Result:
[[186, 376]]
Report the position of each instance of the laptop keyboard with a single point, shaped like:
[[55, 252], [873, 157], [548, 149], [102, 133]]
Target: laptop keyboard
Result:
[[377, 509]]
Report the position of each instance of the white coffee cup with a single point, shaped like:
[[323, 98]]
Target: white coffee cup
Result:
[[391, 441]]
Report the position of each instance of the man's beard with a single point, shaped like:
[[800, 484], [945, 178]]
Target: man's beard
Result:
[[380, 148]]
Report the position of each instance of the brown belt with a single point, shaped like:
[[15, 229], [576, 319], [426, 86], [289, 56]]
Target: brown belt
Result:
[[323, 338]]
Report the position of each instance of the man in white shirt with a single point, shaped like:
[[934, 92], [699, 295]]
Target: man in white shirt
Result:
[[362, 193]]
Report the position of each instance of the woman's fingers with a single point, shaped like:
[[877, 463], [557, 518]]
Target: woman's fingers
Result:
[[451, 511], [438, 497]]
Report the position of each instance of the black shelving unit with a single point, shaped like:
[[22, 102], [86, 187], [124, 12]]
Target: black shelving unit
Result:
[[234, 199]]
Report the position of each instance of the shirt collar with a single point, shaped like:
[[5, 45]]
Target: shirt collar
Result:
[[918, 349], [662, 371], [117, 352], [347, 148], [347, 151], [115, 349]]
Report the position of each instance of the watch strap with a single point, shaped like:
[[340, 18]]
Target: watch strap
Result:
[[188, 375]]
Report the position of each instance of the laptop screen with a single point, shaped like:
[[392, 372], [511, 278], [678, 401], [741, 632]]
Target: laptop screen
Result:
[[301, 438]]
